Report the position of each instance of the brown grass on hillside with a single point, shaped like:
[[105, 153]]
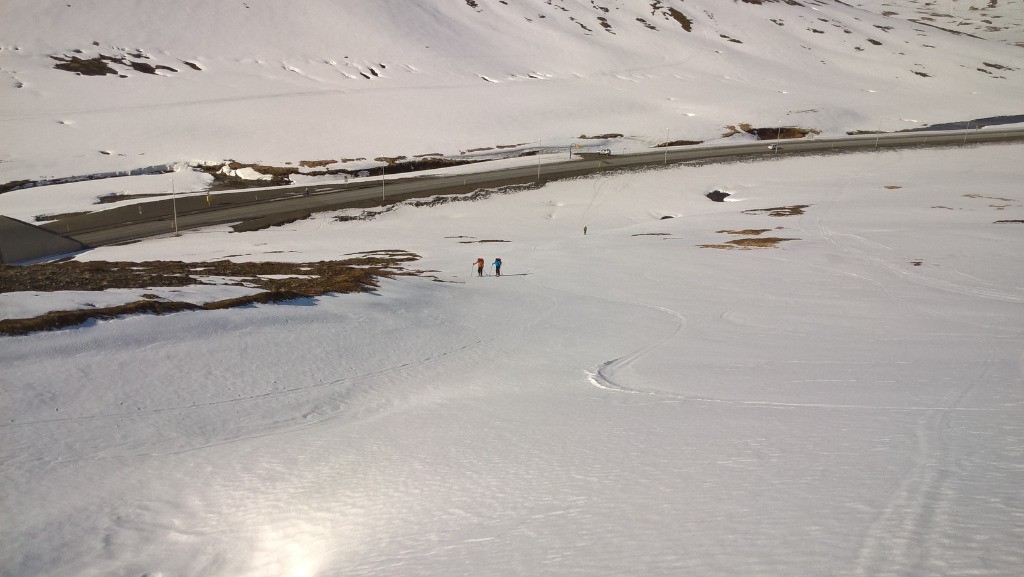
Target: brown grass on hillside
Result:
[[300, 280], [746, 232], [316, 163], [748, 243]]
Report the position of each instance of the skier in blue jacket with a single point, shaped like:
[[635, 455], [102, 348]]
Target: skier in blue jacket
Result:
[[497, 267]]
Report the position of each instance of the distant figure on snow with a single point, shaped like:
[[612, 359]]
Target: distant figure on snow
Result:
[[479, 266], [584, 230], [497, 267]]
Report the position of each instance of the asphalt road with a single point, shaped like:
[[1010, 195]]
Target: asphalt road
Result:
[[157, 217]]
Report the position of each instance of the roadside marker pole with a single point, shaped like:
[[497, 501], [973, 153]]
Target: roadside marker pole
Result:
[[666, 147], [174, 208], [539, 145]]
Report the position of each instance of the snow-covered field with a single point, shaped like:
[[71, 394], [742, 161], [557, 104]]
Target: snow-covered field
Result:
[[625, 402], [639, 400]]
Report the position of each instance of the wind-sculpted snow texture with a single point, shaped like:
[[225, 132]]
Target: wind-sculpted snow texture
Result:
[[625, 402]]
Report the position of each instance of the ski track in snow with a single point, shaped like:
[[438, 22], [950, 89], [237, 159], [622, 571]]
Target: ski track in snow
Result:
[[599, 380], [909, 534]]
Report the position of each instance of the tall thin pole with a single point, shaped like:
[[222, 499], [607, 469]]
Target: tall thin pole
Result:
[[382, 185], [538, 158], [666, 146], [174, 207]]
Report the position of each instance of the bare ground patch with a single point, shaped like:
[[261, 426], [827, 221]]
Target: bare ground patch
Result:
[[989, 197], [748, 243], [100, 65], [794, 210], [677, 143], [754, 240], [769, 132], [747, 232], [280, 282]]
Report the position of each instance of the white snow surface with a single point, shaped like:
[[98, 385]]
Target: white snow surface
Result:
[[274, 82], [621, 403], [625, 402]]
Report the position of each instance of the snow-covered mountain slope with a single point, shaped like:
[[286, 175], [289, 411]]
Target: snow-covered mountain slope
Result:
[[320, 80], [820, 376]]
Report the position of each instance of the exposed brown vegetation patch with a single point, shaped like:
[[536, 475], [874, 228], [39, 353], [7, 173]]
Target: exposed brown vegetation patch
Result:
[[1009, 221], [893, 186], [732, 129], [652, 234], [747, 232], [96, 66], [782, 132], [989, 197], [794, 210], [681, 18], [316, 163], [677, 143], [100, 65], [600, 136], [770, 132], [998, 66], [748, 243], [281, 175], [647, 24], [279, 282]]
